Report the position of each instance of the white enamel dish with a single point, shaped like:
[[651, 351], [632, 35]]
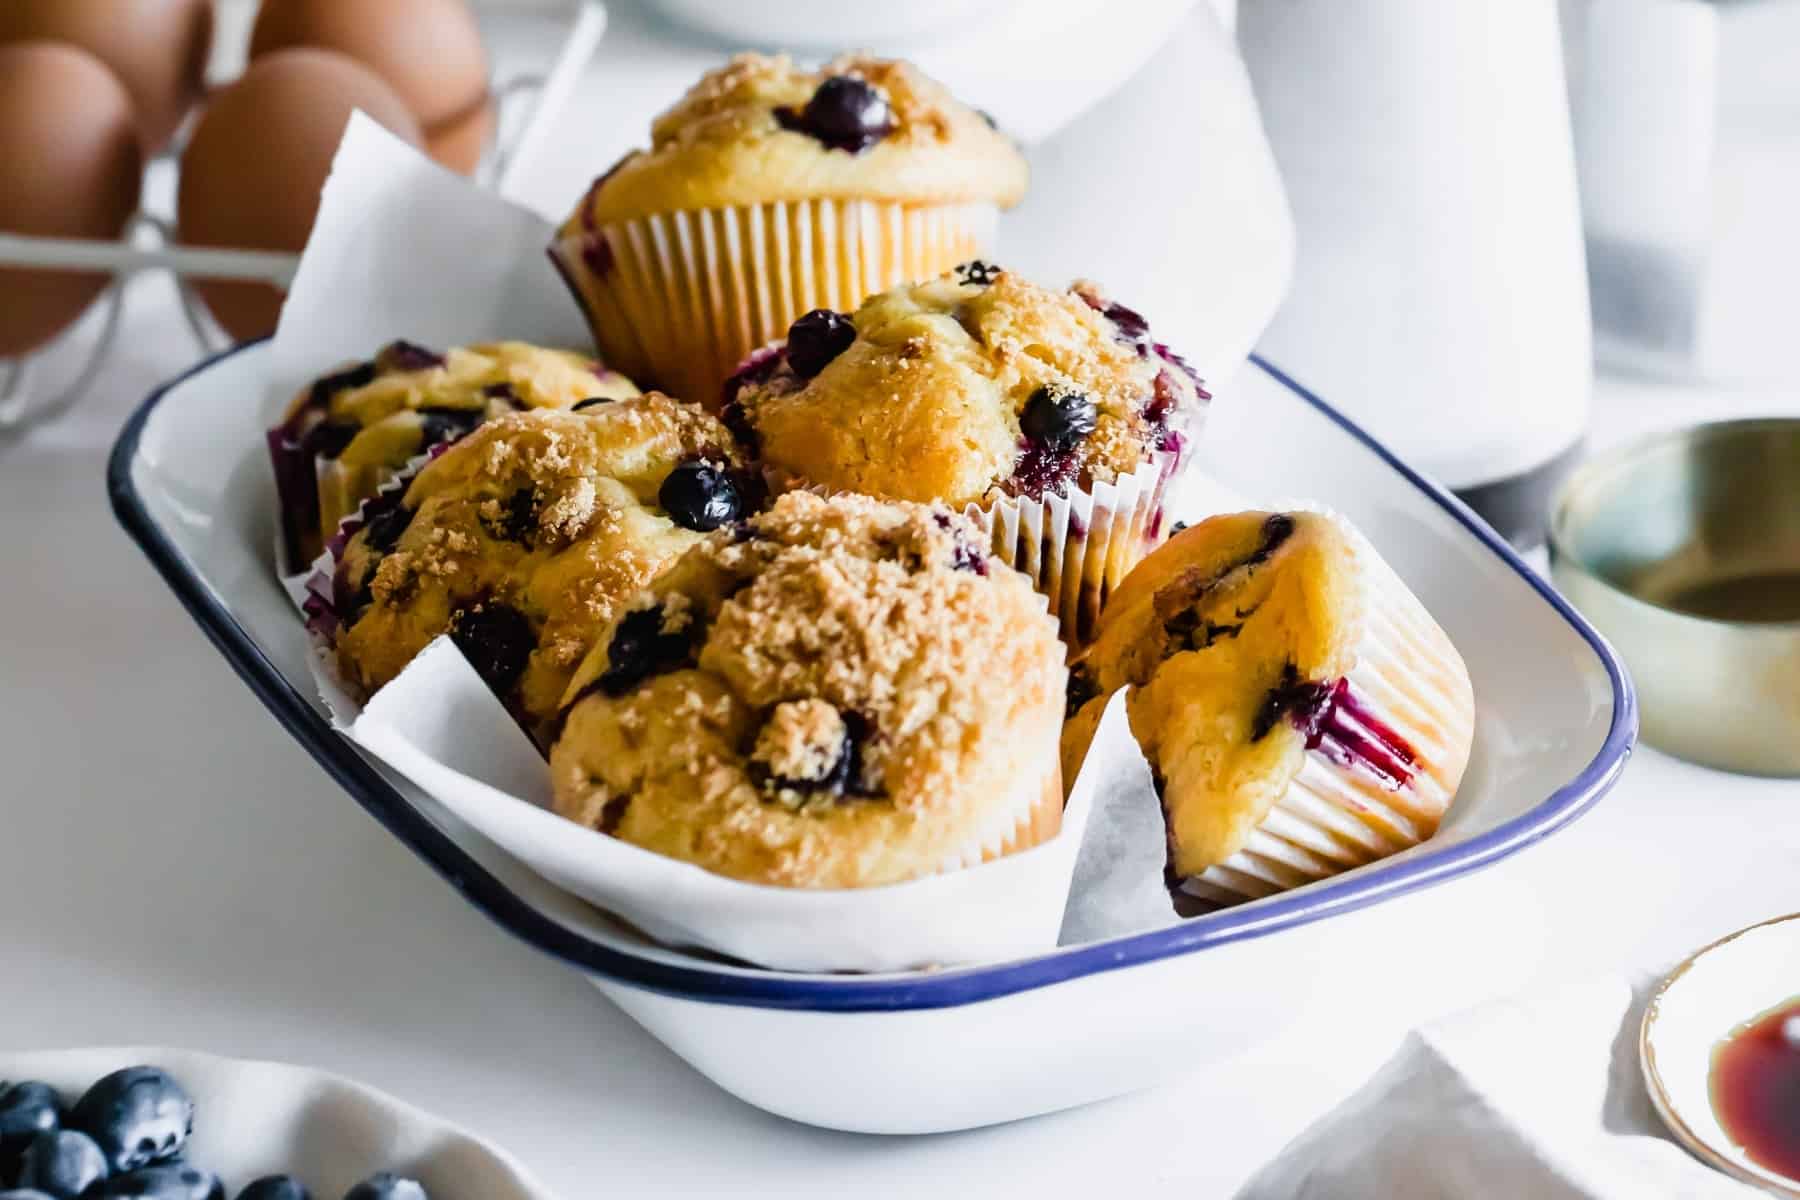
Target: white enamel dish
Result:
[[265, 1118], [1723, 986], [952, 1049]]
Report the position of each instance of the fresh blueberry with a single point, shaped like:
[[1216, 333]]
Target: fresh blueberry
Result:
[[61, 1162], [639, 649], [139, 1115], [169, 1181], [387, 1186], [497, 640], [275, 1187], [1058, 416], [592, 402], [27, 1109], [817, 338], [845, 113], [976, 273], [700, 496], [406, 356], [347, 380]]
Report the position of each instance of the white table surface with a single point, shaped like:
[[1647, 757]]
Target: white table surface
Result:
[[175, 870]]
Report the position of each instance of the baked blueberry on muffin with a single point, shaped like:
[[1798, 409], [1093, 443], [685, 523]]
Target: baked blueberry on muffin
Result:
[[350, 431], [1301, 711], [809, 699], [769, 190], [1051, 414], [523, 539]]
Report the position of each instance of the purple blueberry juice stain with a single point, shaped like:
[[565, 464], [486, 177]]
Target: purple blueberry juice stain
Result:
[[596, 254], [1043, 469], [1338, 723]]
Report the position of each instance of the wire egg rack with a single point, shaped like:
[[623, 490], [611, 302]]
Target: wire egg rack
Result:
[[526, 104]]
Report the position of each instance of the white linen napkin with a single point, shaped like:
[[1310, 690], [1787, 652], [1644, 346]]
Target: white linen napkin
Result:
[[1538, 1096]]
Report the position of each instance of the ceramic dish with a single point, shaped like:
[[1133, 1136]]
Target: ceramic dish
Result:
[[951, 1049], [1722, 986], [264, 1118]]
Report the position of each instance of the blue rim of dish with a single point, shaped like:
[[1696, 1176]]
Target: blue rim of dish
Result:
[[939, 989]]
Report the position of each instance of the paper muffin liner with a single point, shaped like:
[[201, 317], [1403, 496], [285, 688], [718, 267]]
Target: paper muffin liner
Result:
[[1339, 812], [1077, 548], [438, 726], [681, 298]]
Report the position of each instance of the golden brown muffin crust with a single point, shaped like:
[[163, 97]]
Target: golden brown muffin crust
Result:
[[724, 143], [826, 712], [551, 514], [930, 399]]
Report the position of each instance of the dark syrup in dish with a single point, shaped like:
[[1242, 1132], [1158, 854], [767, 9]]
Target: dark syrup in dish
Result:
[[1755, 1085]]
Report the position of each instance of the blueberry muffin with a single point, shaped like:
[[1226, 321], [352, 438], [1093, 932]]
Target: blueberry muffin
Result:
[[769, 190], [1302, 712], [523, 539], [349, 432], [838, 693], [1052, 414]]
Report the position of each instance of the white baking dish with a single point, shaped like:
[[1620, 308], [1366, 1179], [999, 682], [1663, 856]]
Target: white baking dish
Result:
[[925, 1051]]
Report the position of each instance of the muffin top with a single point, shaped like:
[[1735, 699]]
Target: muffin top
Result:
[[966, 388], [760, 130], [409, 398], [810, 699], [525, 537]]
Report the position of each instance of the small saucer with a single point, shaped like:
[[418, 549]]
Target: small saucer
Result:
[[1697, 1005]]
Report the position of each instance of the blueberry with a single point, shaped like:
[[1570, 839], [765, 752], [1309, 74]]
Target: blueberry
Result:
[[976, 273], [275, 1187], [700, 496], [406, 356], [440, 425], [62, 1163], [592, 402], [1080, 689], [385, 520], [1058, 416], [845, 113], [169, 1181], [842, 777], [497, 640], [817, 338], [27, 1109], [518, 520], [139, 1115], [327, 439], [387, 1186], [347, 380], [639, 649]]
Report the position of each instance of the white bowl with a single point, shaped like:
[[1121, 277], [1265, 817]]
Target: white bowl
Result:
[[264, 1118], [924, 1051], [1701, 1001]]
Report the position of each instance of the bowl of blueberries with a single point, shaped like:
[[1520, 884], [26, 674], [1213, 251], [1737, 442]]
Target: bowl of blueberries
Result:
[[177, 1125]]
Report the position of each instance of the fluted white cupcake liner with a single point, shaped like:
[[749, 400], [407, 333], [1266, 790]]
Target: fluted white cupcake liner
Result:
[[682, 298], [1077, 548], [1337, 814]]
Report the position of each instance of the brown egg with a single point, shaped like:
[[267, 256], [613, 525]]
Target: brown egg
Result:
[[251, 175], [429, 50], [68, 122], [460, 143], [157, 48]]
